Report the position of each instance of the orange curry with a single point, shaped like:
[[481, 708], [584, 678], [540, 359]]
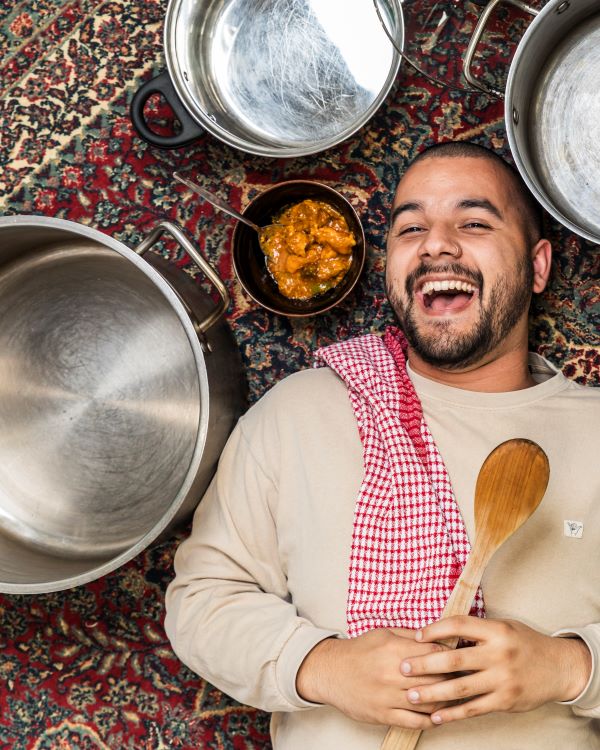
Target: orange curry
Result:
[[308, 249]]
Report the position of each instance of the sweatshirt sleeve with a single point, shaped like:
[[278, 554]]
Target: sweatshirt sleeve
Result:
[[588, 702], [229, 614]]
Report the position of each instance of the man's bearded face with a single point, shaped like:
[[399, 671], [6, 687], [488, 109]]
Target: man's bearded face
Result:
[[439, 343], [459, 270]]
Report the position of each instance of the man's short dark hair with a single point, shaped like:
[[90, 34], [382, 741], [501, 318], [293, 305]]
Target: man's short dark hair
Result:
[[529, 208]]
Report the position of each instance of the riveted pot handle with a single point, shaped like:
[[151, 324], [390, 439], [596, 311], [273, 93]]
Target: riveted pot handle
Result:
[[166, 227], [476, 38], [162, 84]]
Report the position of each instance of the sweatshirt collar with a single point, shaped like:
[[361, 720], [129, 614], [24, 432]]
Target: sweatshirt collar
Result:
[[549, 380]]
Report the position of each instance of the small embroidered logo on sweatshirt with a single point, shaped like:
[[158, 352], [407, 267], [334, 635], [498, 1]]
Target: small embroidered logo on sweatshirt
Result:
[[573, 529]]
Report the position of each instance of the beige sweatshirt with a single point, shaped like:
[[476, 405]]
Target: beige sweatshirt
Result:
[[264, 575]]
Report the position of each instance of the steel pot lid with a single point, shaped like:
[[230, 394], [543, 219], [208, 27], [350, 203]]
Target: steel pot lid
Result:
[[282, 77]]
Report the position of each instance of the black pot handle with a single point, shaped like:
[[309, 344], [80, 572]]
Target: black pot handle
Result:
[[162, 84]]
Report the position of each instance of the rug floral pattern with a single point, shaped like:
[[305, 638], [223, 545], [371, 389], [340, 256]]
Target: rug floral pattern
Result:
[[91, 667]]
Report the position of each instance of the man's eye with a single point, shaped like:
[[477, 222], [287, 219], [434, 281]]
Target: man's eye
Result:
[[476, 225], [411, 230]]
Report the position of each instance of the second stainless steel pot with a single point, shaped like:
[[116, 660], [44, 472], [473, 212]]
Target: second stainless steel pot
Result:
[[276, 78], [118, 389], [552, 108]]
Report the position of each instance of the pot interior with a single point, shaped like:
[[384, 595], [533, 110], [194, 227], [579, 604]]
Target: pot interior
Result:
[[553, 112], [99, 406], [281, 76]]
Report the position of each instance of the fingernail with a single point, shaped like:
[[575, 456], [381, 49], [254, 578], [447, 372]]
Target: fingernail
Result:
[[413, 696], [406, 667], [419, 635], [436, 718]]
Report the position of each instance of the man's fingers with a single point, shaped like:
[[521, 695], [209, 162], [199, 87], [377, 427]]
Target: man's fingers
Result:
[[448, 691], [427, 708], [476, 707], [442, 663], [463, 626], [400, 717]]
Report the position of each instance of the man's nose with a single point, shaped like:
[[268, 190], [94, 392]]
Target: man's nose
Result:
[[438, 242]]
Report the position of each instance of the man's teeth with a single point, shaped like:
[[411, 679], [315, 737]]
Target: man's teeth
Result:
[[443, 286]]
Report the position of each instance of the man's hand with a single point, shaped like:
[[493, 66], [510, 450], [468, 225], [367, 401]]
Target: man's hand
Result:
[[361, 677], [511, 667]]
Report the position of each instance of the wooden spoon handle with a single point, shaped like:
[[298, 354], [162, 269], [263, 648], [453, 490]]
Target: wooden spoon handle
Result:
[[510, 486], [459, 603], [400, 738], [460, 600]]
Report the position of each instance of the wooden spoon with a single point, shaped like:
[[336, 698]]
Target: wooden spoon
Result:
[[510, 486]]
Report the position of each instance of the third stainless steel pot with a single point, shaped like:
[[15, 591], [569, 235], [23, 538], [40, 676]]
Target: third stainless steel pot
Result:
[[552, 108], [276, 78]]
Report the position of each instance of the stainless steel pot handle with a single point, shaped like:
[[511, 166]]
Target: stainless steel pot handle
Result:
[[445, 84], [166, 227], [476, 38]]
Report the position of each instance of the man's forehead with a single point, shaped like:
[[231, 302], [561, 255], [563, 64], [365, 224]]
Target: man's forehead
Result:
[[455, 178]]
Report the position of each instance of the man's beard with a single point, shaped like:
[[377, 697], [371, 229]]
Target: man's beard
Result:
[[507, 300]]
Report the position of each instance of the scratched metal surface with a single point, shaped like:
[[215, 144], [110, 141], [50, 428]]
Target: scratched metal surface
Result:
[[284, 73], [565, 127]]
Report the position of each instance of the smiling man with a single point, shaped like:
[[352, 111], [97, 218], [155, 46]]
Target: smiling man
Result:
[[465, 252], [322, 555]]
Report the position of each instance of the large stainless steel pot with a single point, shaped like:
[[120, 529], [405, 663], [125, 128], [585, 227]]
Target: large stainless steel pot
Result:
[[552, 108], [277, 78], [118, 389]]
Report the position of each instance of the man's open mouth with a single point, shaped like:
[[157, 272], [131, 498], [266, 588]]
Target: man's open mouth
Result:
[[442, 297]]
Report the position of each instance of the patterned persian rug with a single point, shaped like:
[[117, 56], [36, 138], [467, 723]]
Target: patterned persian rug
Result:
[[91, 668]]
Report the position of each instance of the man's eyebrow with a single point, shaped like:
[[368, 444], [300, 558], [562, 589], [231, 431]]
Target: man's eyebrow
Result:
[[407, 206], [483, 203], [466, 203]]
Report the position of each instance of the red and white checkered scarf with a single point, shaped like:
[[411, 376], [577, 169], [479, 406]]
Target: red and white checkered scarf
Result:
[[409, 542]]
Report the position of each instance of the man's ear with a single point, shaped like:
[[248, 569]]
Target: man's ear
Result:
[[541, 257]]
